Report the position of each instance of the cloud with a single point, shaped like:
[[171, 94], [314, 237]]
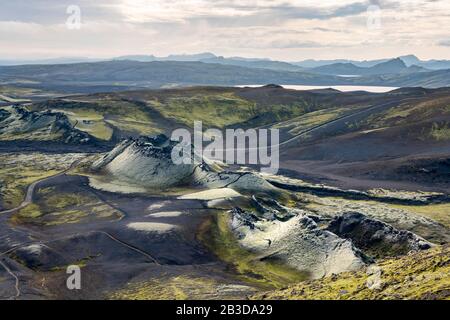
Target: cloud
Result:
[[140, 11], [289, 44], [284, 29], [218, 14], [326, 13], [444, 43]]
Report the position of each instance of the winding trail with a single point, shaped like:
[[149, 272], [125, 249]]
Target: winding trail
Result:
[[16, 278], [321, 125], [344, 117], [6, 214], [28, 199], [30, 190], [129, 246]]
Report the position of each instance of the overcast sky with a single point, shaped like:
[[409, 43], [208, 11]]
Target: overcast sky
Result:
[[278, 29]]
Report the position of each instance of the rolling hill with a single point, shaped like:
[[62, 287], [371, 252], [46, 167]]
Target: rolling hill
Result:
[[122, 75], [354, 139], [404, 142], [123, 208], [394, 66], [150, 74]]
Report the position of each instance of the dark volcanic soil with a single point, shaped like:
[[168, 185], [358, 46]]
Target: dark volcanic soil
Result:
[[400, 174], [155, 238]]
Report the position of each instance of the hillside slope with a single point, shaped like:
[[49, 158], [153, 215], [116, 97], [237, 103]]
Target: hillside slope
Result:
[[422, 275], [17, 123], [111, 75], [352, 139], [406, 141]]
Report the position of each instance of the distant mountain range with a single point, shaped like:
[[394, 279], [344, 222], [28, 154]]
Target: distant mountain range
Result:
[[172, 57], [207, 57], [409, 60], [211, 58], [141, 71], [152, 74], [388, 67], [311, 65]]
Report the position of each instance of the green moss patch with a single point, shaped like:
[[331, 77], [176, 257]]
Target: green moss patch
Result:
[[168, 288], [61, 208], [423, 275]]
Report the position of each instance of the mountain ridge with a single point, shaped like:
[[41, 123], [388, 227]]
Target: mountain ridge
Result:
[[409, 60], [156, 74]]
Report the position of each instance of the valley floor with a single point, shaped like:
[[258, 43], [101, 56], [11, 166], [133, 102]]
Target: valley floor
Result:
[[160, 246], [363, 184]]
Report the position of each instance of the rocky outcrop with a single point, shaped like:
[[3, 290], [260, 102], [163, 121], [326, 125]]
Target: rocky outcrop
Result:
[[147, 162], [17, 123], [298, 242], [315, 245], [375, 237]]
